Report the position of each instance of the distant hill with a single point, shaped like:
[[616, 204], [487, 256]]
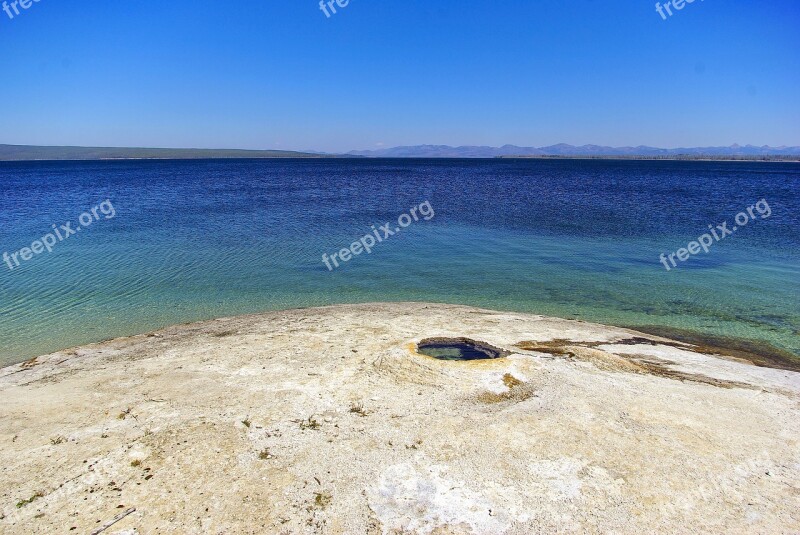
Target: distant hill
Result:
[[747, 152], [30, 152], [564, 150]]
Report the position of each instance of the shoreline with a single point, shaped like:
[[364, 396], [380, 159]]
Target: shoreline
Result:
[[330, 417], [758, 352]]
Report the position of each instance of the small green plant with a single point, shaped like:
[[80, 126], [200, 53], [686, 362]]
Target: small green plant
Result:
[[246, 422], [55, 441], [23, 503]]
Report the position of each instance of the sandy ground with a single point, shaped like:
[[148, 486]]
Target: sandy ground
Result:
[[328, 421]]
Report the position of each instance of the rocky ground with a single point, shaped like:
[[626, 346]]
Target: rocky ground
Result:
[[328, 421]]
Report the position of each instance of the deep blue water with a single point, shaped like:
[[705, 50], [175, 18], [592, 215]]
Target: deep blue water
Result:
[[572, 238]]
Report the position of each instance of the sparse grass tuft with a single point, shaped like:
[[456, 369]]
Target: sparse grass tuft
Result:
[[60, 439], [311, 423], [23, 503], [358, 408], [246, 422], [265, 455], [322, 499]]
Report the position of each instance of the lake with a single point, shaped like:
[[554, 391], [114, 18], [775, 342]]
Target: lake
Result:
[[199, 239]]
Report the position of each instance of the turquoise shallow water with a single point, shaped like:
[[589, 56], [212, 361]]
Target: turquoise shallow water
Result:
[[577, 239]]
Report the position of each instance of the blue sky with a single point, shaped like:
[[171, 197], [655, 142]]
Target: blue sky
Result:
[[279, 74]]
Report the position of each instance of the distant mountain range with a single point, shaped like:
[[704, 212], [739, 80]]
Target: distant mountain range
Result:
[[747, 152], [564, 150]]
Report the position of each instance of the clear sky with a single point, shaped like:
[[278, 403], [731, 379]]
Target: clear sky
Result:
[[279, 74]]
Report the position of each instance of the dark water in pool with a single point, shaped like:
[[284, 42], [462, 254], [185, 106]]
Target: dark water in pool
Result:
[[570, 238], [459, 349]]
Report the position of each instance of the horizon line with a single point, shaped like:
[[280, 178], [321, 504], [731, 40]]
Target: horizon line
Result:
[[389, 147]]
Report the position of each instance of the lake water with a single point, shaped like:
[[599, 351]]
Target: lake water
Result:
[[192, 240]]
